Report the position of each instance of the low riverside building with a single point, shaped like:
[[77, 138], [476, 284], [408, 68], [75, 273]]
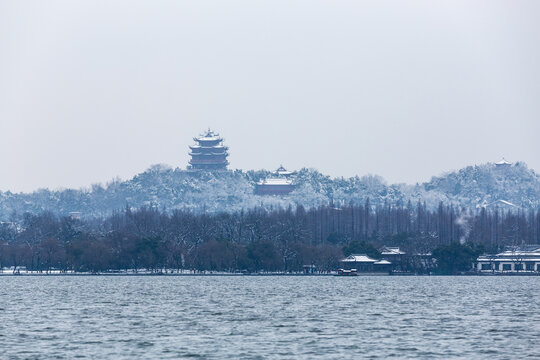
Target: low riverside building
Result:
[[363, 263], [394, 255], [309, 269], [522, 259]]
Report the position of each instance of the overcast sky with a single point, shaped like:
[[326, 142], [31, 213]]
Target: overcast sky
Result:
[[91, 90]]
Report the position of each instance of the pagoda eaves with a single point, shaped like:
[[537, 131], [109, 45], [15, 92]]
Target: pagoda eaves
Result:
[[209, 153]]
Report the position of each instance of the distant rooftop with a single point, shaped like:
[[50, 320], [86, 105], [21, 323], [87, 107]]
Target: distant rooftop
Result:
[[209, 135], [275, 181], [387, 250], [496, 203], [359, 258], [516, 253], [503, 162], [524, 248], [281, 171]]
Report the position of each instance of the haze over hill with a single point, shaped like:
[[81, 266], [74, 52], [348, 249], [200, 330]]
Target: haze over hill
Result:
[[511, 187], [95, 89]]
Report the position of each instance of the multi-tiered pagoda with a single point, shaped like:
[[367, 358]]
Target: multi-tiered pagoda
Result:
[[209, 153]]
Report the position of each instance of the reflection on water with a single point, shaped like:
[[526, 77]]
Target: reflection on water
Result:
[[269, 317]]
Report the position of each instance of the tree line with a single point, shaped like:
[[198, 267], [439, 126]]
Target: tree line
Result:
[[258, 239]]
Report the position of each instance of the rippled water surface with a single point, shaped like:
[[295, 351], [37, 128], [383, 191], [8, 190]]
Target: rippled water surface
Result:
[[231, 317]]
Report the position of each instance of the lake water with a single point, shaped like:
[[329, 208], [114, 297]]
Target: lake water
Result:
[[259, 317]]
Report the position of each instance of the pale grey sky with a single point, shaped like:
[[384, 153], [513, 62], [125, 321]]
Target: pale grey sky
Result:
[[90, 90]]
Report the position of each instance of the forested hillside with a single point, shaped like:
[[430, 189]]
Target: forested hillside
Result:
[[232, 191]]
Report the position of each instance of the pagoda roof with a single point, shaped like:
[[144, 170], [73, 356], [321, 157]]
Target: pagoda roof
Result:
[[282, 171], [209, 135], [215, 147], [208, 138], [208, 162], [208, 153], [503, 161]]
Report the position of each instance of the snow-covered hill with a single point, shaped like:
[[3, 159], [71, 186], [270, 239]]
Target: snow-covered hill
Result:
[[234, 190], [486, 184]]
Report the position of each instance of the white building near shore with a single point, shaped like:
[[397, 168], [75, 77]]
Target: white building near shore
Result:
[[523, 259], [363, 263]]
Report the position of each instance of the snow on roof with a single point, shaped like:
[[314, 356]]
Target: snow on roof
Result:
[[359, 258], [208, 154], [519, 253], [526, 254], [524, 248], [208, 147], [383, 262], [498, 202], [209, 135], [506, 259], [386, 250], [282, 171], [275, 181], [505, 202], [208, 138], [485, 204], [503, 162]]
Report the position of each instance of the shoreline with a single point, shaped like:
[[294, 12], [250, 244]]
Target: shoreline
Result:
[[77, 274]]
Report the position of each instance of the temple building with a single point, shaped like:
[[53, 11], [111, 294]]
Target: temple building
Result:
[[503, 163], [208, 153], [279, 183], [274, 186]]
